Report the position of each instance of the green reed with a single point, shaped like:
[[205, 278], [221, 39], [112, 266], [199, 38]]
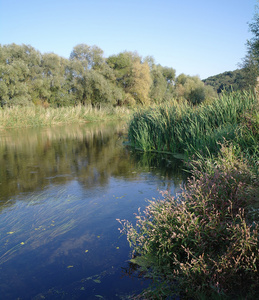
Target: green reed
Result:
[[182, 128], [37, 116]]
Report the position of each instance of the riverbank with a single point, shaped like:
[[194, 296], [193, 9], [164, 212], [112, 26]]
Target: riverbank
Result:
[[203, 243], [37, 116]]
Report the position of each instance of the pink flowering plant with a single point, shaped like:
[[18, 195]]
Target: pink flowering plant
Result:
[[202, 244]]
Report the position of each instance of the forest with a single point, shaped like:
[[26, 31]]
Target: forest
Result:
[[229, 81], [28, 77]]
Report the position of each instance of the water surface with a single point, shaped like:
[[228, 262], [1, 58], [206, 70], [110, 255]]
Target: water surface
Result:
[[61, 191]]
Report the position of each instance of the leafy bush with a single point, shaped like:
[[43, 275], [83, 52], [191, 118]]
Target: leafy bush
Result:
[[202, 244]]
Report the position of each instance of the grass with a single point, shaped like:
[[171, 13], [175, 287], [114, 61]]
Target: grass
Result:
[[181, 128], [37, 116]]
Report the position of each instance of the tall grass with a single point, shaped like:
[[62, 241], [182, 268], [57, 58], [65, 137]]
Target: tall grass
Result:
[[181, 128], [38, 116]]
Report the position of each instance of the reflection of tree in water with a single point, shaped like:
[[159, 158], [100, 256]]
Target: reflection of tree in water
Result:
[[165, 166], [32, 159]]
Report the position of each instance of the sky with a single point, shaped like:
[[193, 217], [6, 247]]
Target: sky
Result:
[[195, 37]]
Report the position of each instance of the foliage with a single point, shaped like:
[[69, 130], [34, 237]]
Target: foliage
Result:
[[192, 89], [132, 75], [182, 128], [202, 244], [162, 88], [251, 60], [28, 77], [228, 81]]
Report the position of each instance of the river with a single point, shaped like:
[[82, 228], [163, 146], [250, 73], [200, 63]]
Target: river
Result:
[[61, 191]]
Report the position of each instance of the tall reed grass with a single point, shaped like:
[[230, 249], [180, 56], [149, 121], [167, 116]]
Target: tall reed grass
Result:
[[182, 128], [38, 116]]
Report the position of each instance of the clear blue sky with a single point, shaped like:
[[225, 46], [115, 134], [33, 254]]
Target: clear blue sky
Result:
[[202, 37]]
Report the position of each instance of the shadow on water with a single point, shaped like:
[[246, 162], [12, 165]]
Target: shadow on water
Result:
[[61, 191]]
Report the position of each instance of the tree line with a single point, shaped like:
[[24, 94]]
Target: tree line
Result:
[[229, 81], [28, 77]]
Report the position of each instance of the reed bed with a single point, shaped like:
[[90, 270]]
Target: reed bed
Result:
[[37, 116], [182, 128]]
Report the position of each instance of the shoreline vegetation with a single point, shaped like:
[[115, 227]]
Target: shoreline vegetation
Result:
[[37, 116], [204, 242], [181, 128]]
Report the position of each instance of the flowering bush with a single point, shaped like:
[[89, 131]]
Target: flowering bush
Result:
[[204, 242]]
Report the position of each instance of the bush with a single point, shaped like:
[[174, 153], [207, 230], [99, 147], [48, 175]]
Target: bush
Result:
[[203, 244]]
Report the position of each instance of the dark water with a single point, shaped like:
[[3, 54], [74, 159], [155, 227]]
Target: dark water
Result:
[[61, 191]]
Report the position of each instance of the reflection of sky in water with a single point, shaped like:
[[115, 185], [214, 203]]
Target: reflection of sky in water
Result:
[[63, 238]]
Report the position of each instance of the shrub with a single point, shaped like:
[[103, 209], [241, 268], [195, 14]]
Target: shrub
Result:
[[204, 242]]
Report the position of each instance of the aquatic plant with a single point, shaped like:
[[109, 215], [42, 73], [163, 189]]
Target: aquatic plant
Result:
[[182, 128]]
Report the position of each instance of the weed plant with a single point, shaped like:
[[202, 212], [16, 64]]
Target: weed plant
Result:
[[182, 128], [203, 243]]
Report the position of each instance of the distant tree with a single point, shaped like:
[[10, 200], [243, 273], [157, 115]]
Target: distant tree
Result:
[[54, 85], [228, 81], [251, 60], [132, 75], [159, 85], [14, 74], [169, 74], [193, 89], [99, 90], [162, 88], [141, 82], [89, 56]]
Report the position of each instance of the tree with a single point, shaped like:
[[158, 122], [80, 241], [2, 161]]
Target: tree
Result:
[[162, 88], [132, 75], [89, 56], [228, 81], [14, 74], [251, 60], [54, 86], [193, 89], [99, 90]]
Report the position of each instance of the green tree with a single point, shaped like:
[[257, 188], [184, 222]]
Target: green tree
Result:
[[163, 79], [14, 74], [228, 81], [159, 85], [54, 84], [132, 75], [193, 89], [89, 56], [92, 80], [251, 60]]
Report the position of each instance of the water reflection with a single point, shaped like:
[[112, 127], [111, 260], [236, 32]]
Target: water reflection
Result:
[[33, 159], [61, 191]]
